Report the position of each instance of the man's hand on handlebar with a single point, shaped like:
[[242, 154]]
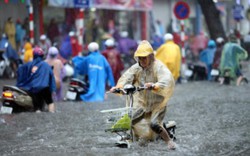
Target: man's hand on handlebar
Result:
[[117, 90], [149, 85], [113, 89]]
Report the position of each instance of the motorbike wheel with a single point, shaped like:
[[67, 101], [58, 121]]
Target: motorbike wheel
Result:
[[9, 73]]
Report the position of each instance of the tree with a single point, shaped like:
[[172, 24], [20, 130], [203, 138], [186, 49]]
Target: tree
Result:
[[212, 17]]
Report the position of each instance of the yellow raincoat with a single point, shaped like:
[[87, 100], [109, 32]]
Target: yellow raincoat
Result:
[[150, 103], [28, 52], [10, 30], [169, 53]]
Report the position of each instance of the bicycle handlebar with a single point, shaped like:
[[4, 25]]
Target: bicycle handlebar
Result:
[[129, 89]]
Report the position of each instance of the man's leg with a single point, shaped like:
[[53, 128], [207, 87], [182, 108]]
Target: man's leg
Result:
[[51, 107], [49, 100], [239, 79], [157, 118], [37, 102]]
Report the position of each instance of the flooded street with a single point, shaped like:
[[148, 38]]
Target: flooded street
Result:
[[211, 120]]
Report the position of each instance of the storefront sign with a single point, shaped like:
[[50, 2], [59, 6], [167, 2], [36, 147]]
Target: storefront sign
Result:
[[81, 3]]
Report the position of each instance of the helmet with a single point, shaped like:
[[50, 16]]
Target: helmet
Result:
[[211, 43], [53, 51], [144, 49], [168, 37], [93, 46], [72, 33], [110, 43], [124, 34], [37, 51], [43, 37], [219, 40]]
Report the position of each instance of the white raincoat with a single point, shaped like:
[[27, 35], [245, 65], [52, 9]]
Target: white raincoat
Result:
[[150, 105]]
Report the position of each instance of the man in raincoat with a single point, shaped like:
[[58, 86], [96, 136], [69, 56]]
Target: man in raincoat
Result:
[[207, 57], [58, 70], [231, 55], [98, 71], [113, 57], [10, 52], [28, 52], [170, 54], [151, 104], [10, 31], [37, 78]]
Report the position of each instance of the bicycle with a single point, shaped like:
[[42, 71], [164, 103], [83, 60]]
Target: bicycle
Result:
[[119, 119]]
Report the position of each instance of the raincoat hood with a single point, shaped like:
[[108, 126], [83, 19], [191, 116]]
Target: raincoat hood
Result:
[[27, 46], [144, 49]]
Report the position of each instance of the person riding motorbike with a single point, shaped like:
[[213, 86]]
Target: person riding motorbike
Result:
[[37, 78], [96, 68], [150, 105], [231, 56]]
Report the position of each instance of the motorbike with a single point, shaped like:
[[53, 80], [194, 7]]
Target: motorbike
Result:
[[119, 119], [75, 89], [196, 72], [69, 71], [5, 66], [15, 100]]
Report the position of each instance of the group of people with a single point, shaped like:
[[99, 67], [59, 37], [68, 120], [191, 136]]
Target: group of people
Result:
[[158, 70], [225, 57], [41, 77], [101, 69]]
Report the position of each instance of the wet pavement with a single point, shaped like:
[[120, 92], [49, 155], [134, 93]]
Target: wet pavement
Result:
[[211, 120]]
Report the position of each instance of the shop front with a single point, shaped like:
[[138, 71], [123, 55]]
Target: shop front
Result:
[[102, 19]]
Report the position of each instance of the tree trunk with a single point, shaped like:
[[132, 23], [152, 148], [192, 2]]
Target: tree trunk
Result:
[[212, 17]]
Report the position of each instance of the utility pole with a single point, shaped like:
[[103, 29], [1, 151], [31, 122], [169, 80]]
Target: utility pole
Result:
[[35, 4]]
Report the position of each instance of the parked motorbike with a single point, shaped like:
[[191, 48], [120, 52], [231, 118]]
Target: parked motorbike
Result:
[[69, 71], [15, 100], [75, 89], [5, 66], [196, 72], [215, 74]]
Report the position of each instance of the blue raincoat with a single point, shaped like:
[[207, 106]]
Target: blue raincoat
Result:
[[10, 53], [34, 82], [99, 72], [66, 48], [207, 57]]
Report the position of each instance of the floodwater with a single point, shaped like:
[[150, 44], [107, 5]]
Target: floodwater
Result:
[[211, 120]]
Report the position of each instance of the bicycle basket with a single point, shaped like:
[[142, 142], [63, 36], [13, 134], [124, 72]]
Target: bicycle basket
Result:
[[118, 120]]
